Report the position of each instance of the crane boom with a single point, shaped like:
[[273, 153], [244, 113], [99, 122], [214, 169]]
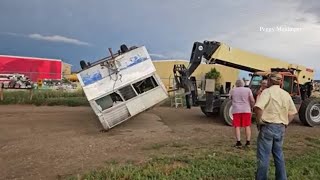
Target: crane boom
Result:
[[220, 53]]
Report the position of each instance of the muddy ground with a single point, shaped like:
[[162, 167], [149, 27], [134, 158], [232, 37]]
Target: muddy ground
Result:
[[54, 142]]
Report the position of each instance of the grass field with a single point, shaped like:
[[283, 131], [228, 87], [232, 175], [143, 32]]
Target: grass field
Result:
[[52, 98], [211, 164], [45, 97]]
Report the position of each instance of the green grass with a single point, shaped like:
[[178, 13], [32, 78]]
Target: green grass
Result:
[[45, 97], [236, 164], [315, 141], [158, 146]]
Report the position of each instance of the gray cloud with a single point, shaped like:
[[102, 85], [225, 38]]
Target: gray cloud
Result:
[[12, 34], [57, 38], [310, 7], [166, 30], [302, 19], [53, 38], [158, 55], [293, 47]]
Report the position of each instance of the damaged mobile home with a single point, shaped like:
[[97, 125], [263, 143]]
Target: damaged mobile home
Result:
[[122, 85]]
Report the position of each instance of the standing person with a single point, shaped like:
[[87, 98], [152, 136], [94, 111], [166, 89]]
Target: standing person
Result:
[[221, 89], [264, 85], [242, 101], [274, 111], [309, 88]]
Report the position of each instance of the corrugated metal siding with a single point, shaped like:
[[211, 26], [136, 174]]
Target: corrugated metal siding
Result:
[[116, 116]]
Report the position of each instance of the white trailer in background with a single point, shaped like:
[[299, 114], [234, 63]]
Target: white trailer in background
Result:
[[121, 86]]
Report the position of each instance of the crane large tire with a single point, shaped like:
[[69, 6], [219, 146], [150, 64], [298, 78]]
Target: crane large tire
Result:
[[309, 112], [225, 111]]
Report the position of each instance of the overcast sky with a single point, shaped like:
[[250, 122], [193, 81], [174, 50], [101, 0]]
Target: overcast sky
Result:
[[72, 30]]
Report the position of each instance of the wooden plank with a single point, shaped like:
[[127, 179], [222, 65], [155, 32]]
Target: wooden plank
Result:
[[1, 92], [31, 94]]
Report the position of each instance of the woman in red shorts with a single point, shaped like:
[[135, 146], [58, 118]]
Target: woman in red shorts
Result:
[[242, 102]]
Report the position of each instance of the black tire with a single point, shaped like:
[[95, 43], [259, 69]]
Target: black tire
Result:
[[124, 48], [225, 112], [309, 112], [208, 114], [83, 64]]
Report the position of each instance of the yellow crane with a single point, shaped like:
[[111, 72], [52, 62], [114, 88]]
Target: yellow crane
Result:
[[297, 79]]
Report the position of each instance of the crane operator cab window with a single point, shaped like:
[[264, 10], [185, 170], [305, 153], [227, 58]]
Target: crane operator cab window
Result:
[[291, 85], [255, 84], [256, 80]]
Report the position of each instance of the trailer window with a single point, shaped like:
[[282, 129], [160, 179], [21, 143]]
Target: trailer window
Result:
[[127, 92], [145, 85], [108, 101]]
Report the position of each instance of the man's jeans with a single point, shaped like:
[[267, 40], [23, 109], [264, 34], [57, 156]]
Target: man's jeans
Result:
[[270, 139]]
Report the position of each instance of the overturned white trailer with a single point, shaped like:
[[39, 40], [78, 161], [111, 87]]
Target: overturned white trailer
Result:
[[122, 85]]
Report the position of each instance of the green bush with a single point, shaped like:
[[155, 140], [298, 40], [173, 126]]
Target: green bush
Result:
[[213, 74]]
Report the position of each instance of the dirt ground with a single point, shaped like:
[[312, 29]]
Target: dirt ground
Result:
[[54, 142]]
